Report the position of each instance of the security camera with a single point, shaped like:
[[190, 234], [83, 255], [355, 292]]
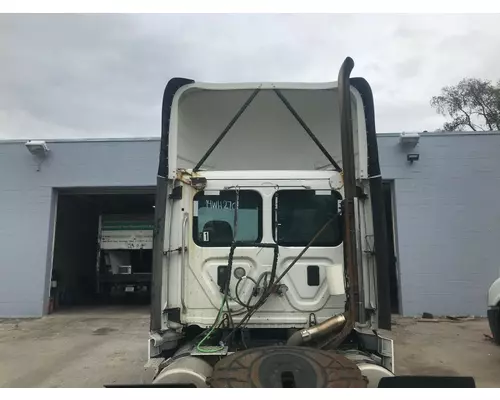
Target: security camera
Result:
[[37, 147]]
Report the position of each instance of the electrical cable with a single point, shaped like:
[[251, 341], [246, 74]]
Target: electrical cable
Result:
[[212, 350], [299, 256], [226, 289], [256, 286], [229, 316], [272, 286], [236, 209], [240, 311], [239, 301]]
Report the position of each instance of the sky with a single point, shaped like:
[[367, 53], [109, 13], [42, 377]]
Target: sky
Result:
[[70, 76]]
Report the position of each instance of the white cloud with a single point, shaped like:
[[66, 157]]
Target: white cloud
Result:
[[103, 75]]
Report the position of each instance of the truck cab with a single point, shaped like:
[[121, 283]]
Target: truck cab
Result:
[[269, 235], [280, 209]]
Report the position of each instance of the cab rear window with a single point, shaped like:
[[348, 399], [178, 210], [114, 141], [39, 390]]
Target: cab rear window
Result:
[[216, 222], [299, 214]]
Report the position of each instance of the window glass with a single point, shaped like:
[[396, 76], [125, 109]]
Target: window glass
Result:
[[300, 214], [214, 217]]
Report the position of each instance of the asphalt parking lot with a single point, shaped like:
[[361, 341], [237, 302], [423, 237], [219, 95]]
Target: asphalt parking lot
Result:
[[91, 348]]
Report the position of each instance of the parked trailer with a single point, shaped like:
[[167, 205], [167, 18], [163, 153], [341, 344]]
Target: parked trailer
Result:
[[124, 259]]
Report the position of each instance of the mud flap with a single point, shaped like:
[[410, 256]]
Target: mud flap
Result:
[[401, 382], [405, 382], [138, 386]]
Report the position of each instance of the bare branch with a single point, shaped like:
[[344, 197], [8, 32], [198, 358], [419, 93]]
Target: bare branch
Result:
[[471, 104]]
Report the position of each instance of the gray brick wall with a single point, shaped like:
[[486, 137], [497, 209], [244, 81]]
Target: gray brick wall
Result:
[[27, 205], [448, 220], [446, 212]]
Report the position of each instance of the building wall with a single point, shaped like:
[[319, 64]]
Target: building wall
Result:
[[448, 220], [28, 200], [446, 213]]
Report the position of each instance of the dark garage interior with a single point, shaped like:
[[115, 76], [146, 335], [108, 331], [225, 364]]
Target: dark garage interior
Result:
[[78, 260], [392, 257]]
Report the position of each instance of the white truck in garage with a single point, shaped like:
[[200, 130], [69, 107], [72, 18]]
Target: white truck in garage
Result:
[[124, 257], [270, 247]]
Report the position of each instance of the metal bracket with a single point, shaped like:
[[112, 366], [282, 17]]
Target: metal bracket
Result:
[[173, 314], [210, 351], [360, 193], [380, 344], [163, 340], [176, 193], [199, 182], [177, 250]]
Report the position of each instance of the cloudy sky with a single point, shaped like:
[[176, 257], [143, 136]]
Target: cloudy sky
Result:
[[104, 75]]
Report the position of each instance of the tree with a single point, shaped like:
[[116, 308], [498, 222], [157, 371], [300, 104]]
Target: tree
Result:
[[472, 104]]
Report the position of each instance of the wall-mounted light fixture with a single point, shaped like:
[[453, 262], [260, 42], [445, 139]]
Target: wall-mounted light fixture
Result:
[[412, 157], [409, 139], [39, 149]]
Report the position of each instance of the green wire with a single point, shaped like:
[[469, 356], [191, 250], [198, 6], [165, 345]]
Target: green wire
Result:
[[198, 346]]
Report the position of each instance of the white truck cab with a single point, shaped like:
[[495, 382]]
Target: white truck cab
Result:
[[281, 208], [269, 255]]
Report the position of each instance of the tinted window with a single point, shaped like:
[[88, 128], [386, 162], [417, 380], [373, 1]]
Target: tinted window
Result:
[[214, 217], [300, 214]]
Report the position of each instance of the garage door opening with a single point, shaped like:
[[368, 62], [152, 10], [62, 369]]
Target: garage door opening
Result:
[[102, 249]]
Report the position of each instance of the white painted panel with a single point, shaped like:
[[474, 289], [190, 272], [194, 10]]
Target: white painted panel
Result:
[[266, 136]]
